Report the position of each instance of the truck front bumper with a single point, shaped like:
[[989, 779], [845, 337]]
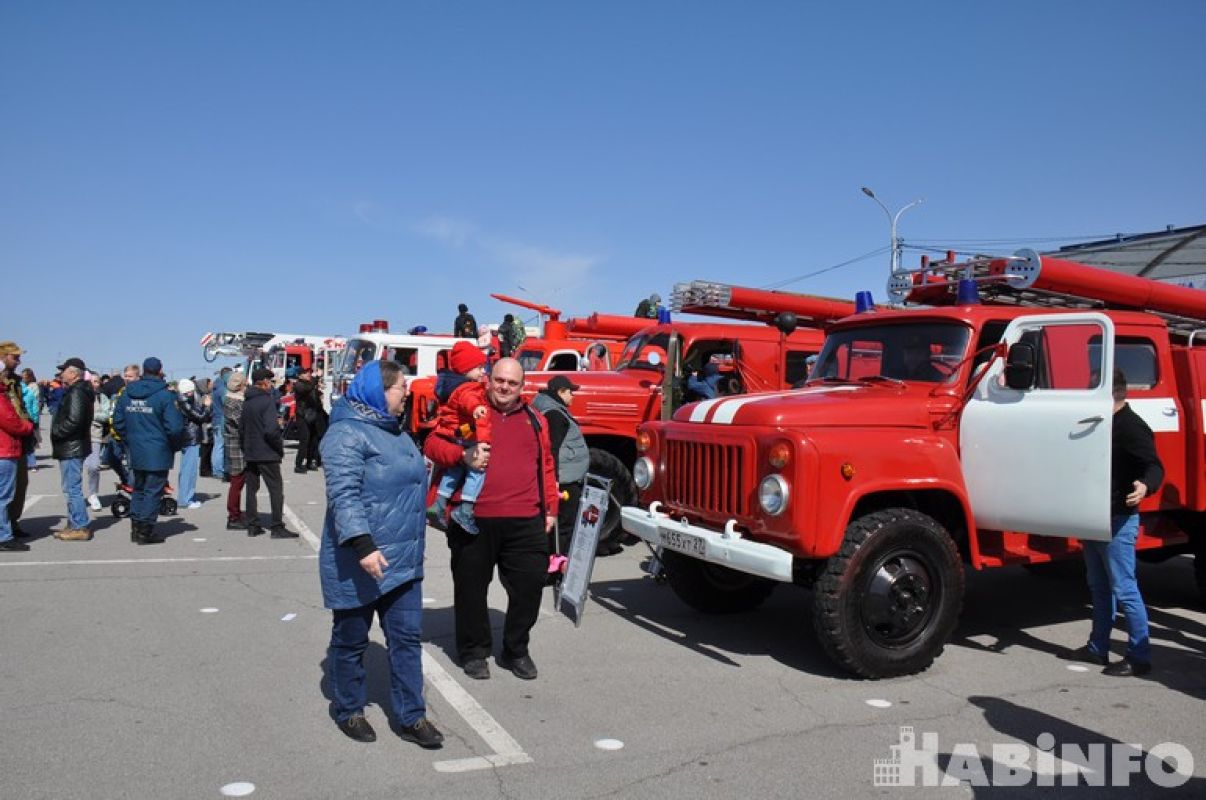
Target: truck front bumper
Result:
[[726, 549]]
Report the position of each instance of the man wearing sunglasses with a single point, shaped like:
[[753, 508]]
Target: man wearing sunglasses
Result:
[[515, 512]]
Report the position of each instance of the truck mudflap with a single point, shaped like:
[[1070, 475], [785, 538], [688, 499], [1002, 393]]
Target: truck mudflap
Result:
[[726, 549]]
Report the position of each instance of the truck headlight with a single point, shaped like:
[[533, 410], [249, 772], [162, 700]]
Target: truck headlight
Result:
[[642, 473], [772, 495]]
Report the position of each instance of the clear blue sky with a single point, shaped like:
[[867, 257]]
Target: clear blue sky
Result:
[[170, 168]]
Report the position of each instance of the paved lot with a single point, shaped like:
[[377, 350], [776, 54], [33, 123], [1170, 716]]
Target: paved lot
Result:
[[116, 682]]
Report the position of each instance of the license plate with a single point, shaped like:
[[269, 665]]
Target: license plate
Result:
[[683, 542]]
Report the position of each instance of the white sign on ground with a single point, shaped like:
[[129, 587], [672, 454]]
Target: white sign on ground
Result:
[[592, 510]]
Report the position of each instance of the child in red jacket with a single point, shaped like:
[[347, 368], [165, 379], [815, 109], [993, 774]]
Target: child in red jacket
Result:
[[465, 419]]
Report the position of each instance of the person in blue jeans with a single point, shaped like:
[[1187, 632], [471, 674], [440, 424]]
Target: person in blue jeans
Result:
[[196, 416], [218, 457], [370, 560], [152, 427], [71, 443], [1135, 473]]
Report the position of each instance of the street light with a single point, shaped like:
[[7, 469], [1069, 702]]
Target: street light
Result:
[[893, 219]]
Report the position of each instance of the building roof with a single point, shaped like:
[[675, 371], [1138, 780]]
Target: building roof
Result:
[[1166, 255]]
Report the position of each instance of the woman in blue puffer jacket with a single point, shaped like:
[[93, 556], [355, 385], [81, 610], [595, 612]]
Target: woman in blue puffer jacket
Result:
[[371, 557]]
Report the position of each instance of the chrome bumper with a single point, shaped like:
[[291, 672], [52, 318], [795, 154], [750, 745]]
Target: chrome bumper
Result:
[[727, 548]]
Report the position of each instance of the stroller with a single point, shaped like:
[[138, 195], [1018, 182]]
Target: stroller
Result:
[[120, 507]]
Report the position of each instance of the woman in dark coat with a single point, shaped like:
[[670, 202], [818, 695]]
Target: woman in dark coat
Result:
[[371, 557]]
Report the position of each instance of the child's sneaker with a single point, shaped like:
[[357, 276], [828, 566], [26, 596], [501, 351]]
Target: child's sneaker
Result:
[[436, 513], [463, 515]]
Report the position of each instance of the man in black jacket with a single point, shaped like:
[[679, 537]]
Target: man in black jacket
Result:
[[1135, 473], [71, 442], [263, 450], [307, 406], [464, 325]]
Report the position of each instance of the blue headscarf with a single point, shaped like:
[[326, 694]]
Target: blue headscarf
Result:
[[367, 390]]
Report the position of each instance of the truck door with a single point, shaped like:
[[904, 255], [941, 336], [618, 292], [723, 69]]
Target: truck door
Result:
[[1038, 460]]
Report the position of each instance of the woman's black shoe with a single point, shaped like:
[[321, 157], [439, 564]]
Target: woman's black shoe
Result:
[[357, 727]]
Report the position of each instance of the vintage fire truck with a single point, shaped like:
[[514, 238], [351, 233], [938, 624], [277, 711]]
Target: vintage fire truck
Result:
[[567, 346], [770, 351], [973, 431], [420, 354]]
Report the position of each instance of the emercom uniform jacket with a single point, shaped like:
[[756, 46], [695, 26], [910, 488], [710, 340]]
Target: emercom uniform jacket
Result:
[[71, 428], [148, 421]]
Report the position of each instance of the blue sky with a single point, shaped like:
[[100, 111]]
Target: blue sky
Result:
[[170, 168]]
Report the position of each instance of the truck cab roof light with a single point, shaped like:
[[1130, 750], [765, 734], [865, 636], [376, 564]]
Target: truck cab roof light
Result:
[[863, 302]]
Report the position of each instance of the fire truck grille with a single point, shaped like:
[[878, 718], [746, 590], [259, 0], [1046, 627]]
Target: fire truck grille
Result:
[[708, 477]]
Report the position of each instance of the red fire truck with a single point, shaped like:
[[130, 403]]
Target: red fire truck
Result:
[[973, 431], [771, 351]]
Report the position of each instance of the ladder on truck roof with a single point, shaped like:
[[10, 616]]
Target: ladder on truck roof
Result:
[[713, 299], [230, 345], [1028, 279]]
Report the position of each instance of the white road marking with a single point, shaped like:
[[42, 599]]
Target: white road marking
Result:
[[877, 703], [30, 500], [182, 560], [507, 751], [199, 540], [296, 523], [237, 789], [289, 617], [609, 744], [1077, 668], [209, 611]]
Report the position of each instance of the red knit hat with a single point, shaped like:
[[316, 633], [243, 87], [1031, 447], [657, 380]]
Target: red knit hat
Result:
[[465, 357]]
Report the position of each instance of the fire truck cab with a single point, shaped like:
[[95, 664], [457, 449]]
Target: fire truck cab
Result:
[[420, 355], [966, 432]]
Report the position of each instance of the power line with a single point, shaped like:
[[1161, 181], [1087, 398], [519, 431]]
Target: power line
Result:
[[780, 284]]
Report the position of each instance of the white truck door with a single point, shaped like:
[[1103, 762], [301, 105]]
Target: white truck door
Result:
[[1038, 460]]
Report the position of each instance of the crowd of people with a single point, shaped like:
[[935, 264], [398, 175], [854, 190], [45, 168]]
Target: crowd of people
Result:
[[140, 426]]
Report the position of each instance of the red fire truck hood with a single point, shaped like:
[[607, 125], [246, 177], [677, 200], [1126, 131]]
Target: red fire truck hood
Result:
[[845, 405]]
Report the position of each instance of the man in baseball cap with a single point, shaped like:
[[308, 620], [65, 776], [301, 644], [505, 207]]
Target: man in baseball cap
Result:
[[78, 363]]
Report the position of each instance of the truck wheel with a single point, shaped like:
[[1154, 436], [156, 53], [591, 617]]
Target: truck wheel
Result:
[[888, 601], [713, 589], [623, 493]]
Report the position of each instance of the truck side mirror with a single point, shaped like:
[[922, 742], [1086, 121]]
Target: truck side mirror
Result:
[[1019, 366]]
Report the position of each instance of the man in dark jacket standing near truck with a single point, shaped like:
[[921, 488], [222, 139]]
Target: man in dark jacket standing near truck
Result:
[[71, 443], [263, 451], [148, 421], [307, 407]]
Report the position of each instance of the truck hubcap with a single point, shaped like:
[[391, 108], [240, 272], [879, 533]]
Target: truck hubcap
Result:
[[897, 600]]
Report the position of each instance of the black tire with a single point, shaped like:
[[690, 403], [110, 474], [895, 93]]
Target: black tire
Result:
[[1199, 576], [623, 493], [886, 604], [713, 589], [167, 507], [120, 507]]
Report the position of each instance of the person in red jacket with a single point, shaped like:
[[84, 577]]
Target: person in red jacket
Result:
[[463, 419], [515, 512], [13, 431]]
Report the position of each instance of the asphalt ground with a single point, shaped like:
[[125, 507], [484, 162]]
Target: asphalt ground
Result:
[[181, 670]]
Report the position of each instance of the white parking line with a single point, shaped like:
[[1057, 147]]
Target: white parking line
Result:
[[506, 750], [180, 560], [296, 523], [30, 500]]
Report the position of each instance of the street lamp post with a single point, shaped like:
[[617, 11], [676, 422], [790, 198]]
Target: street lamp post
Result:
[[893, 219]]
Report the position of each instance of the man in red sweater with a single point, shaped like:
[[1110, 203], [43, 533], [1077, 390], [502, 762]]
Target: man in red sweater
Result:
[[515, 512]]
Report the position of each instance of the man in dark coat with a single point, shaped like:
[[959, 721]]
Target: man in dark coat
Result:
[[263, 451], [307, 405], [465, 325], [149, 422], [71, 442]]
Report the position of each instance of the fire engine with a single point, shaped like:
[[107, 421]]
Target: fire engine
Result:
[[420, 354], [770, 351], [286, 354], [976, 431]]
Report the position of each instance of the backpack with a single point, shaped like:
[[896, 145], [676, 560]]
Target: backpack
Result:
[[519, 333]]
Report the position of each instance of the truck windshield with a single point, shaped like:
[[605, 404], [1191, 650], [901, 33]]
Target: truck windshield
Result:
[[639, 348], [355, 355], [530, 359], [927, 352]]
